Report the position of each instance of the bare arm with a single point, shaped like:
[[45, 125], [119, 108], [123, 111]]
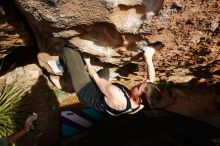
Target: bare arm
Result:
[[105, 86], [16, 136], [148, 55], [25, 129]]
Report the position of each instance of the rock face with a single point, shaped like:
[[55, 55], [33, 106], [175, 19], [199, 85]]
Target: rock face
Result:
[[109, 30], [190, 31], [13, 32]]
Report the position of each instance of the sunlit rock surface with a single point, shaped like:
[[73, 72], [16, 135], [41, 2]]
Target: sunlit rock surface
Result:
[[109, 30]]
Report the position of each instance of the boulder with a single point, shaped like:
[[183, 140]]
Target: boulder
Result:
[[110, 29]]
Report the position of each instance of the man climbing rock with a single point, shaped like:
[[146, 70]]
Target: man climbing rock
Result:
[[94, 89]]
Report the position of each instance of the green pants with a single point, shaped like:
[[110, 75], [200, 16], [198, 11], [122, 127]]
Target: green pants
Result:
[[76, 68], [77, 71]]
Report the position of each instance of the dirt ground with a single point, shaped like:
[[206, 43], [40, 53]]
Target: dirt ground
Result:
[[48, 101]]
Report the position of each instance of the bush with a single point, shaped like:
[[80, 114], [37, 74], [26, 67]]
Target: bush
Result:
[[12, 108]]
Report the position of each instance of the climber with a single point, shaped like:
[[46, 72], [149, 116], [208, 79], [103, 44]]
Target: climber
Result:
[[94, 90]]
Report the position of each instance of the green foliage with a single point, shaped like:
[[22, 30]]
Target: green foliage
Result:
[[11, 107]]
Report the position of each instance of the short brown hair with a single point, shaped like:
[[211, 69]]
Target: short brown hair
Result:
[[152, 95]]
